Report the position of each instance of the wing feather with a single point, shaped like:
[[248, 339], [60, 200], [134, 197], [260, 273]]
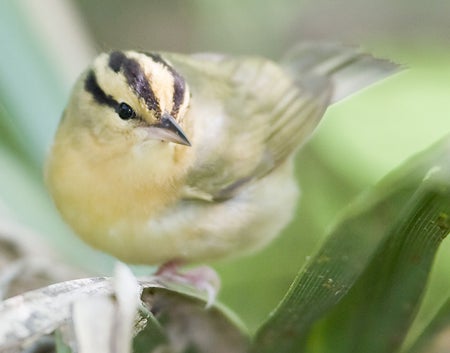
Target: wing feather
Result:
[[251, 114]]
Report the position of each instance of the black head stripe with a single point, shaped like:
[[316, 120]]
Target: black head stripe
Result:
[[179, 85], [179, 91], [138, 81], [116, 59], [91, 86], [135, 77]]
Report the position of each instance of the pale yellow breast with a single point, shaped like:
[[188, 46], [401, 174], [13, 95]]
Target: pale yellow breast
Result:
[[96, 187]]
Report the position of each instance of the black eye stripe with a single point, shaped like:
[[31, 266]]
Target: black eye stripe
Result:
[[91, 86], [122, 109]]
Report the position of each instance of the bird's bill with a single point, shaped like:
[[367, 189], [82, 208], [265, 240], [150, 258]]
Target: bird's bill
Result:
[[168, 130]]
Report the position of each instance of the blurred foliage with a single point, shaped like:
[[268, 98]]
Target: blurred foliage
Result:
[[359, 141]]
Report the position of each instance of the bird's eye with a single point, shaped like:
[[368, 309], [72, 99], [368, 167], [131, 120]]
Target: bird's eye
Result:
[[125, 111]]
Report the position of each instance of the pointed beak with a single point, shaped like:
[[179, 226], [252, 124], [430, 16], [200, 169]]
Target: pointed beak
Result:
[[168, 130]]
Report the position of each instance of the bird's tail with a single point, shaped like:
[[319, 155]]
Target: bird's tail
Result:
[[334, 70]]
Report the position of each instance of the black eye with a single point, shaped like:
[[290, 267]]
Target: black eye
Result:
[[125, 111]]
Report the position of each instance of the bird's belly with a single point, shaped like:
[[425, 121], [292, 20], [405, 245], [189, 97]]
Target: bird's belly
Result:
[[195, 231]]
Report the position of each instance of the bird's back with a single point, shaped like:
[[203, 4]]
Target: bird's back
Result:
[[254, 113]]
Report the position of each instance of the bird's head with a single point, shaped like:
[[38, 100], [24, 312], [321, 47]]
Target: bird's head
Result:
[[130, 96]]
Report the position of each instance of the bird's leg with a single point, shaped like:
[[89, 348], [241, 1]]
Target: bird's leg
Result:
[[204, 278]]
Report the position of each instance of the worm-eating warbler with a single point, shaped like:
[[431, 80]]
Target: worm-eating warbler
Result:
[[165, 157]]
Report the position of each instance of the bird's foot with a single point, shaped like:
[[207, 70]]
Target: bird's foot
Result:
[[203, 278]]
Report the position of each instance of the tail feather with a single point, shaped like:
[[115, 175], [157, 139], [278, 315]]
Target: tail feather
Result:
[[334, 71]]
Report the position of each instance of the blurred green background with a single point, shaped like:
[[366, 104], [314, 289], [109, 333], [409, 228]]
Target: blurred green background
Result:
[[46, 44]]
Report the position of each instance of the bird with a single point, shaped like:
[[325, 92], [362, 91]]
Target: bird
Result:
[[165, 158]]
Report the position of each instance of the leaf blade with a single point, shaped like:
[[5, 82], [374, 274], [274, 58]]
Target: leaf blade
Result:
[[349, 251]]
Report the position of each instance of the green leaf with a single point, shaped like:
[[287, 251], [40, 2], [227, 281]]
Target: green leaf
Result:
[[372, 270], [376, 314], [436, 337]]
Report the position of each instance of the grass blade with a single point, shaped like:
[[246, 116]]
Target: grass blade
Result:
[[385, 243]]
